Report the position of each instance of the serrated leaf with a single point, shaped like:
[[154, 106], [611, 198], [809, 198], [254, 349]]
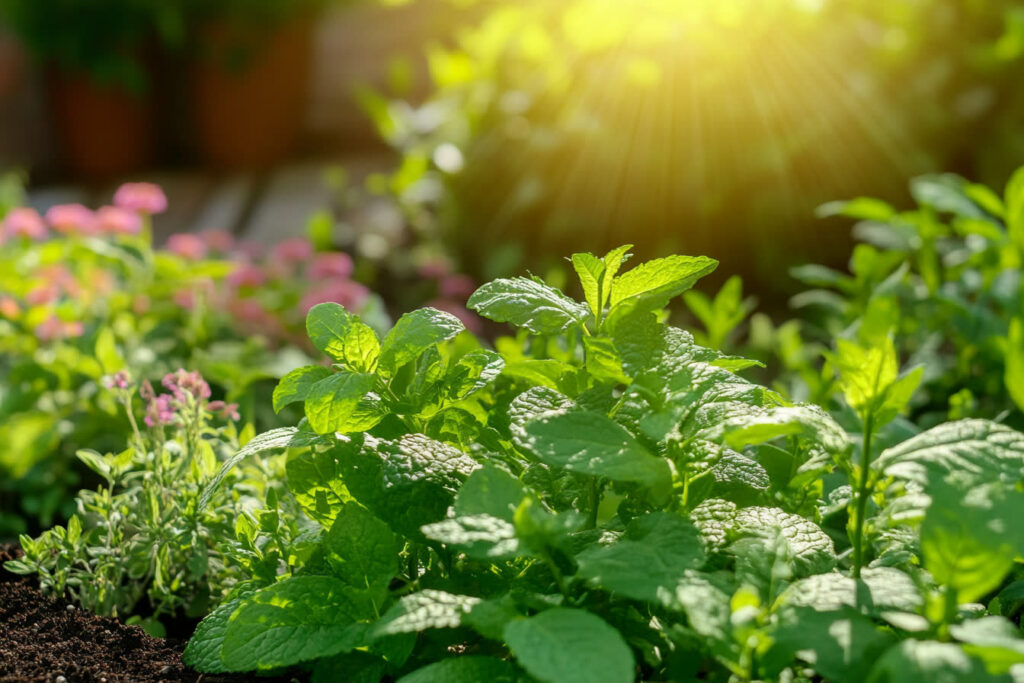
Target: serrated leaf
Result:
[[528, 304], [204, 647], [976, 451], [879, 589], [360, 549], [472, 373], [590, 443], [296, 620], [928, 661], [489, 491], [654, 283], [424, 610], [315, 480], [649, 562], [1014, 371], [343, 403], [342, 336], [413, 334], [811, 549], [296, 385], [479, 536], [590, 270], [570, 646]]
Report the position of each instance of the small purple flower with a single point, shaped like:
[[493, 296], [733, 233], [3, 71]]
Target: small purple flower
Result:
[[228, 411], [119, 380], [180, 383], [160, 411]]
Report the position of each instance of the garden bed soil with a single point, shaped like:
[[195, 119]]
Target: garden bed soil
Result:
[[43, 639]]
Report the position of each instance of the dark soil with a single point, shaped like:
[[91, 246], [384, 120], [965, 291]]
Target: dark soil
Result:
[[43, 639]]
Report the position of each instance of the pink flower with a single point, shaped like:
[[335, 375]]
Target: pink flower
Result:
[[184, 298], [9, 308], [26, 223], [294, 250], [114, 220], [54, 328], [253, 251], [160, 410], [186, 245], [349, 294], [119, 380], [141, 304], [330, 265], [180, 383], [246, 275], [457, 287], [248, 310], [43, 294], [219, 241], [228, 411], [71, 219], [141, 197]]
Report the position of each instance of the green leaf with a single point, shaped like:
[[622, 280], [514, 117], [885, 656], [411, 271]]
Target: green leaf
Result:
[[471, 669], [342, 336], [472, 373], [969, 540], [590, 270], [361, 549], [810, 549], [865, 375], [343, 403], [879, 589], [864, 208], [413, 334], [602, 361], [296, 620], [994, 640], [928, 661], [654, 283], [424, 610], [489, 491], [1015, 207], [570, 646], [978, 450], [107, 354], [275, 438], [480, 536], [315, 480], [529, 304], [203, 650], [649, 562], [296, 385], [590, 443]]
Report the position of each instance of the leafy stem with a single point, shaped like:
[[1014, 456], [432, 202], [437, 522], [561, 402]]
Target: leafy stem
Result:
[[862, 496]]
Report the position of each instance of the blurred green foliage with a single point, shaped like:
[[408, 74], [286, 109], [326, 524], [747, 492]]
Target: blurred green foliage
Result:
[[704, 127]]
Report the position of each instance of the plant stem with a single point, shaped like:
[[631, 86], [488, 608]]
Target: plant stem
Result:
[[862, 497]]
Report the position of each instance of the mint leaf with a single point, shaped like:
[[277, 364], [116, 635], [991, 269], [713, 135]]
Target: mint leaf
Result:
[[649, 562], [203, 650], [590, 443], [342, 336], [480, 536], [1014, 371], [299, 619], [570, 646], [879, 589], [361, 549], [472, 373], [928, 661], [413, 334], [275, 438], [654, 283], [590, 270], [489, 491], [528, 304], [296, 384], [471, 669], [343, 403], [810, 549], [424, 610], [978, 450], [315, 480]]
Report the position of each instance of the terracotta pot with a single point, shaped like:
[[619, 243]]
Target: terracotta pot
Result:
[[250, 115], [104, 130]]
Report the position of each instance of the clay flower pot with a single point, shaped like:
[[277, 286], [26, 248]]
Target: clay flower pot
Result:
[[104, 130], [248, 112]]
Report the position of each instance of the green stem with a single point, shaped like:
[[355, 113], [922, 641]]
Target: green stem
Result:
[[862, 497], [595, 502]]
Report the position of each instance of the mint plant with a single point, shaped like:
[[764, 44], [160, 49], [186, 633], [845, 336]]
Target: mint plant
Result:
[[604, 499]]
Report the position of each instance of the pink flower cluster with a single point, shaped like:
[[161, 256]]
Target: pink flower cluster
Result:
[[185, 391], [131, 202]]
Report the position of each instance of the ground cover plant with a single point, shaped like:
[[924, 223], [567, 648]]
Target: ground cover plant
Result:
[[84, 294], [601, 498]]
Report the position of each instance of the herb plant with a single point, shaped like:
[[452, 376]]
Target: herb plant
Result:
[[139, 546], [604, 499]]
